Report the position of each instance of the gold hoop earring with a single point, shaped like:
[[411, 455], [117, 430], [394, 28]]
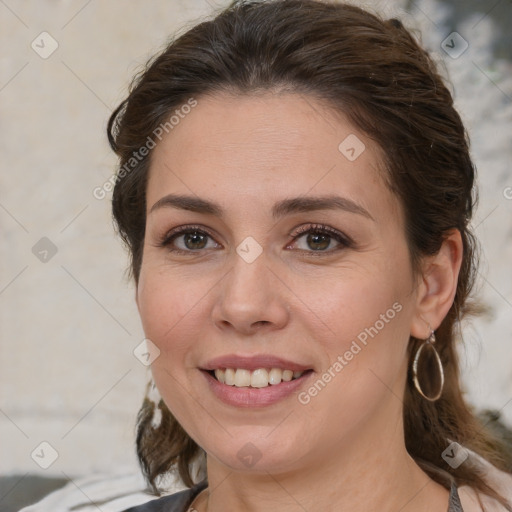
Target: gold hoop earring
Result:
[[431, 362]]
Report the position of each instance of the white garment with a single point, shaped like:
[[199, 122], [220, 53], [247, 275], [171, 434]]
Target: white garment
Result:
[[108, 492], [115, 493], [498, 480]]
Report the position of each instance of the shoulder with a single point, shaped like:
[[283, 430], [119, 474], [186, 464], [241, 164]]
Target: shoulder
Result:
[[114, 492], [497, 479], [177, 502]]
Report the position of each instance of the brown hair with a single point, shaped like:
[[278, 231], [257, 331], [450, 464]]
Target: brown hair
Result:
[[374, 72]]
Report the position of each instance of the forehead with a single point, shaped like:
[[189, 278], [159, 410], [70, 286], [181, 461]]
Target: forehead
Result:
[[259, 148]]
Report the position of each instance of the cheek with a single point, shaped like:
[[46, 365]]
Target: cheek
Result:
[[356, 299], [365, 324], [364, 352], [169, 306]]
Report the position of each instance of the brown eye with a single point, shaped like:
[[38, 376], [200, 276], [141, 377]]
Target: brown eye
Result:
[[321, 239], [187, 240], [194, 240], [318, 241]]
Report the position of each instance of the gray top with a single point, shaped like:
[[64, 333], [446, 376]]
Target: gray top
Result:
[[180, 501]]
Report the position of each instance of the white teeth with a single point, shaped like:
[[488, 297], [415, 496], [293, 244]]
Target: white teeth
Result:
[[242, 378], [229, 377], [287, 375], [260, 378], [274, 377]]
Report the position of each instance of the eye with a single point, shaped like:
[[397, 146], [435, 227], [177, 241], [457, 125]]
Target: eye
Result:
[[193, 239], [319, 238]]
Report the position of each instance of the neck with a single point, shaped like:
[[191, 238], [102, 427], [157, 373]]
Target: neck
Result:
[[361, 474]]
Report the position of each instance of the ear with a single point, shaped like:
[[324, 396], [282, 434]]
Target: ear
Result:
[[437, 286]]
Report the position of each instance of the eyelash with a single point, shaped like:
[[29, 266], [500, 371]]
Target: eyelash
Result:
[[344, 241]]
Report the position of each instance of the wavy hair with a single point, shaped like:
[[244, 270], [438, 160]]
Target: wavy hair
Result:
[[376, 73]]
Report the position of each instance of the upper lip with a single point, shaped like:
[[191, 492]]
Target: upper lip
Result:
[[253, 363]]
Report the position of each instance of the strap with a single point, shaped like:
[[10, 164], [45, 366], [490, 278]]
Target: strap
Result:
[[454, 504], [177, 502]]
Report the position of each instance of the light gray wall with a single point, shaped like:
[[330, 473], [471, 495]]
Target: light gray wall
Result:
[[69, 325]]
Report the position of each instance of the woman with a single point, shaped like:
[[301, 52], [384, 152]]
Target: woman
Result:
[[295, 189]]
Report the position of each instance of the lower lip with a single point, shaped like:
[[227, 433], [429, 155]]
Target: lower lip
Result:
[[254, 397]]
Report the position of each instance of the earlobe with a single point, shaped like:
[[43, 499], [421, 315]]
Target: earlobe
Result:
[[438, 285]]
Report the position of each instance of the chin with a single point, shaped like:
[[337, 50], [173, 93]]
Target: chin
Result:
[[256, 455]]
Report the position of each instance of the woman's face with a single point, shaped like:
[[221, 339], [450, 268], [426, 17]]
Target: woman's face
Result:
[[256, 282]]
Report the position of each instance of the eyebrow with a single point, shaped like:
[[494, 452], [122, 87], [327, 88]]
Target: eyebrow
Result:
[[280, 209]]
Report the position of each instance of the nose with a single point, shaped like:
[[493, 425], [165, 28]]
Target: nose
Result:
[[250, 298]]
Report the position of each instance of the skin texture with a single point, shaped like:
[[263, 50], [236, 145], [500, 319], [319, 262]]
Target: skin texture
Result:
[[344, 449]]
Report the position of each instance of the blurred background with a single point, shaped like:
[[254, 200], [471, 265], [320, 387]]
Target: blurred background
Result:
[[70, 379]]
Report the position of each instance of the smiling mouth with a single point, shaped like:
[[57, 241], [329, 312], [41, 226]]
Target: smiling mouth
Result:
[[259, 378]]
